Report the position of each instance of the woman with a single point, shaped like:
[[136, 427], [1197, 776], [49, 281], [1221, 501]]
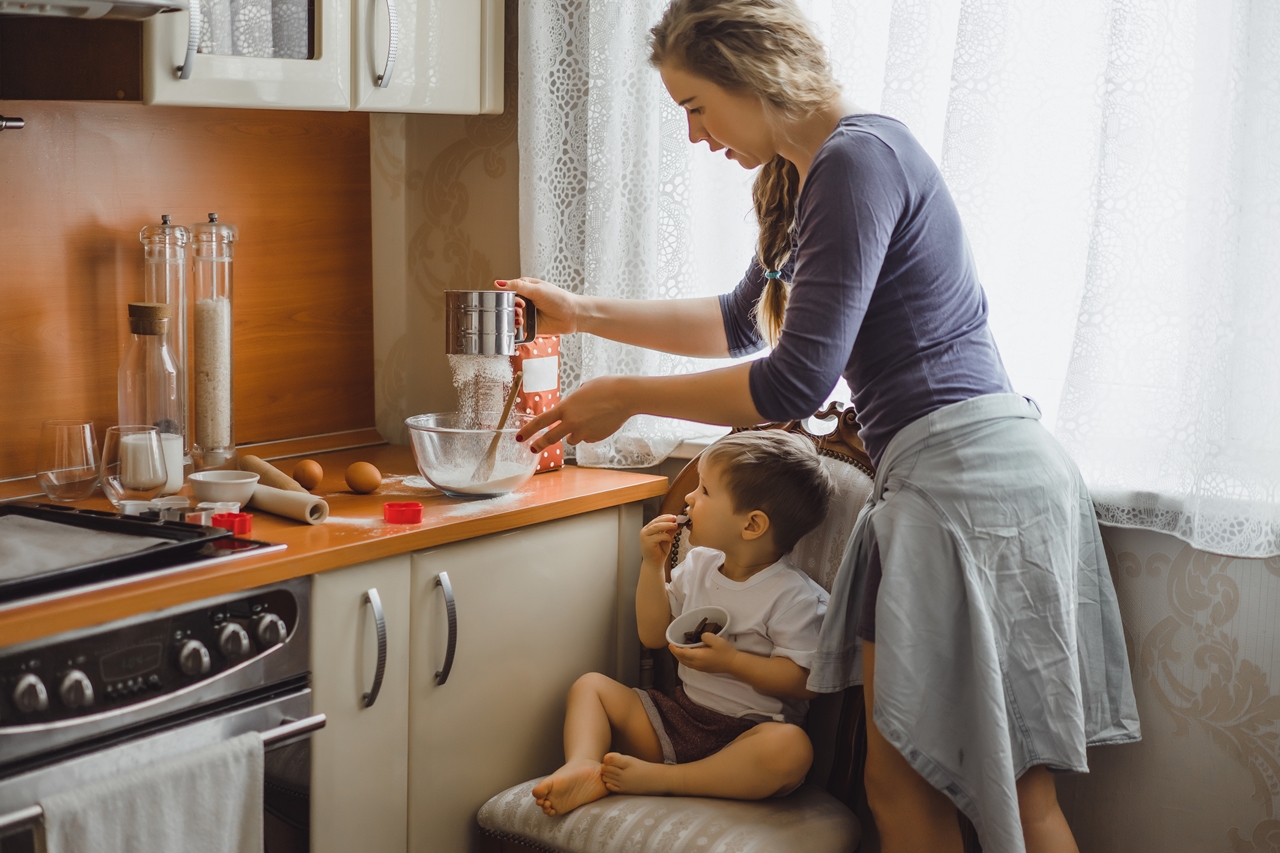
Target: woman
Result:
[[991, 645]]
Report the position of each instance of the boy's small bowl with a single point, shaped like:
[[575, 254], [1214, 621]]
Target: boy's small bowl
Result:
[[217, 486], [689, 620]]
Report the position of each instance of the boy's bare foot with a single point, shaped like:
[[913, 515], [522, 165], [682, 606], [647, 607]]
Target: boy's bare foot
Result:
[[625, 774], [576, 783]]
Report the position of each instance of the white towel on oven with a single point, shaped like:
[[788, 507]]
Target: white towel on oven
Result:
[[209, 801]]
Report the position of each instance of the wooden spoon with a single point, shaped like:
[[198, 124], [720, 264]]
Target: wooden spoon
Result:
[[485, 469]]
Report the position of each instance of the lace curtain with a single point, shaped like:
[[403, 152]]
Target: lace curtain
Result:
[[613, 199], [1117, 166]]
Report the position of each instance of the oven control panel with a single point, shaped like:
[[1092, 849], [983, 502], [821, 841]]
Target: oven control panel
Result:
[[142, 658]]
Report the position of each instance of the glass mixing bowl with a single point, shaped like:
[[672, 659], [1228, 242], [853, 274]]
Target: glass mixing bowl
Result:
[[448, 454]]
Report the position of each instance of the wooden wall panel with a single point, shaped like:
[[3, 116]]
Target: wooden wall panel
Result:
[[80, 181]]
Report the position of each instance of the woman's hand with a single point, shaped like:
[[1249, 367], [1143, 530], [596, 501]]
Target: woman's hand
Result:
[[718, 655], [594, 412], [656, 539], [557, 307]]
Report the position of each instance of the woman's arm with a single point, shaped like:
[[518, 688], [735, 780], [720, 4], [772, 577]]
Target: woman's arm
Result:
[[692, 327], [599, 407]]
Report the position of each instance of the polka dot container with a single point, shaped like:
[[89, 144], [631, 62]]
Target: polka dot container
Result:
[[540, 361]]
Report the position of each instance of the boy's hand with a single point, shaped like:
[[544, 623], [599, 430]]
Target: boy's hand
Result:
[[718, 656], [656, 539]]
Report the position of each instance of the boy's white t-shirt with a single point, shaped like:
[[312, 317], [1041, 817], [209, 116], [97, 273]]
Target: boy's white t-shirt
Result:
[[774, 613]]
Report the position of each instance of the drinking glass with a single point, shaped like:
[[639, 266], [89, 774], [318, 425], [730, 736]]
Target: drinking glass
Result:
[[67, 464], [133, 467]]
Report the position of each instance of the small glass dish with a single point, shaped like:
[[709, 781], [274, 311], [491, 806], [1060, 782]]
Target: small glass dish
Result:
[[133, 466], [67, 464]]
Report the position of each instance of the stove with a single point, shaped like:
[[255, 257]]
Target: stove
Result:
[[79, 707], [62, 694], [34, 570]]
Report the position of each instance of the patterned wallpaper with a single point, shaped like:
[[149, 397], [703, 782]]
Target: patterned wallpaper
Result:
[[1201, 631], [446, 216]]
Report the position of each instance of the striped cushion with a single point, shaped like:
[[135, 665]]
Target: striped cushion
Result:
[[808, 820]]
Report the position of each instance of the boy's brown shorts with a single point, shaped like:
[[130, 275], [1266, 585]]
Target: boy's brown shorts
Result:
[[687, 730]]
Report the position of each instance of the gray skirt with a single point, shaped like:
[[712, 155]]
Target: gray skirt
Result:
[[998, 636]]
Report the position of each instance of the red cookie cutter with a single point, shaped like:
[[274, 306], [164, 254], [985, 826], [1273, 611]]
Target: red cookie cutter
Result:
[[402, 512], [239, 523]]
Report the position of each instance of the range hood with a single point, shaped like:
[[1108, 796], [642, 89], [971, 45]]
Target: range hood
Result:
[[134, 10]]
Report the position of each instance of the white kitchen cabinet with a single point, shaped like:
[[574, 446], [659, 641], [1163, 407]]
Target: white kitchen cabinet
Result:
[[447, 56], [219, 80], [359, 765], [536, 608]]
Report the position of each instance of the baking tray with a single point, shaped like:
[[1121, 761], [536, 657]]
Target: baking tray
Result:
[[184, 541]]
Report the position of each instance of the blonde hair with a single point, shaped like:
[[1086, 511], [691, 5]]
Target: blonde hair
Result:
[[767, 48]]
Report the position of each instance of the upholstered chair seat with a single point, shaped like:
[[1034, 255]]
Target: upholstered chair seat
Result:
[[809, 820]]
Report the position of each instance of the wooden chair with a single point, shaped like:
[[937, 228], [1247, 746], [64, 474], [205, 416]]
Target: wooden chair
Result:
[[827, 813]]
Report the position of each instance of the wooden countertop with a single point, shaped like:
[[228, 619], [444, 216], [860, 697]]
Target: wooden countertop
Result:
[[355, 533]]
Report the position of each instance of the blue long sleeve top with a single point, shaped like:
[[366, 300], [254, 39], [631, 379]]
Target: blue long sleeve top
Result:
[[884, 290]]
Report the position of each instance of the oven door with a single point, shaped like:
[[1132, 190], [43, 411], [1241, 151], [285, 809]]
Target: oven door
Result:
[[283, 720]]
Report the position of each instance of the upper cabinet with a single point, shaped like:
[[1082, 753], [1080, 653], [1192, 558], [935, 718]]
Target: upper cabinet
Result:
[[427, 56], [275, 54], [406, 56]]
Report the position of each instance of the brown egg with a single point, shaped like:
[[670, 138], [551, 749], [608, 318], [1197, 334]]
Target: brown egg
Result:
[[363, 478], [308, 473]]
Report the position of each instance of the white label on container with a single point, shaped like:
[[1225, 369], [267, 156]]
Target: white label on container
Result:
[[541, 374]]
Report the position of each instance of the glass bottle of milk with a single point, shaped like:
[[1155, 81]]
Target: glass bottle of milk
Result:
[[148, 387]]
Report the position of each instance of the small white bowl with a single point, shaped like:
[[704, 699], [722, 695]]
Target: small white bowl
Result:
[[689, 620], [218, 486]]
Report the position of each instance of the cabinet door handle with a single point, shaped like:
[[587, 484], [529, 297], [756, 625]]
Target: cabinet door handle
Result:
[[371, 598], [442, 580], [193, 42], [393, 45]]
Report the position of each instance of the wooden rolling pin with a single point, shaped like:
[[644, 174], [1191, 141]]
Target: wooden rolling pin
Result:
[[270, 475], [304, 507]]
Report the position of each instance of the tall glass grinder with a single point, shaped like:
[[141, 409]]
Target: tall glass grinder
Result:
[[213, 440], [164, 280]]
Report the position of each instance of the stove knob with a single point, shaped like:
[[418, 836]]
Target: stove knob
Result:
[[270, 630], [233, 640], [193, 658], [76, 691], [30, 695]]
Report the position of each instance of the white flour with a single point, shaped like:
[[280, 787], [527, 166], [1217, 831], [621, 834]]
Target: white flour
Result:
[[479, 507], [505, 477], [482, 383], [356, 522], [213, 373], [399, 484]]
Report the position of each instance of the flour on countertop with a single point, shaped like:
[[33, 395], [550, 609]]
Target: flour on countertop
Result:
[[399, 484], [356, 522], [482, 506]]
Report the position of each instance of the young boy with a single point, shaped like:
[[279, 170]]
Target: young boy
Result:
[[733, 729]]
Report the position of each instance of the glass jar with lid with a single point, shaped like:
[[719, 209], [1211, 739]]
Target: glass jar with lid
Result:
[[212, 435]]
